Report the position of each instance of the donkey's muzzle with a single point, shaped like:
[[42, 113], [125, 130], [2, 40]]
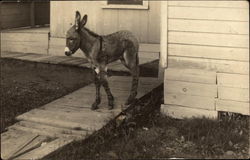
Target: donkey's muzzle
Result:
[[67, 51]]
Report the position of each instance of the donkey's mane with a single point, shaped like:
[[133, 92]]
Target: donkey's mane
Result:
[[92, 33]]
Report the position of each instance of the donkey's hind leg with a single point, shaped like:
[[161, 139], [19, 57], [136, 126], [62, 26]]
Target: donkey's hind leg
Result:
[[131, 62], [104, 82]]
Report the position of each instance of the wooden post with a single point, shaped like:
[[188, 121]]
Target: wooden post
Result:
[[32, 14], [164, 39]]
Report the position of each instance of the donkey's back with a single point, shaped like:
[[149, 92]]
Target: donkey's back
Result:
[[119, 42]]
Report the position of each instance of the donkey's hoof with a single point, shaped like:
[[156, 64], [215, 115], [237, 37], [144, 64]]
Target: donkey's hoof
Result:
[[94, 106], [110, 107]]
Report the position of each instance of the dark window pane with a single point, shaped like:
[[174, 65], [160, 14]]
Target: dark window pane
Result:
[[132, 2]]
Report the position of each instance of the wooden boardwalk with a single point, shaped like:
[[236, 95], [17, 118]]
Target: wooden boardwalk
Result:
[[46, 129]]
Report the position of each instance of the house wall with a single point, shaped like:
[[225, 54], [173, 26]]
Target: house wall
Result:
[[144, 23], [207, 58]]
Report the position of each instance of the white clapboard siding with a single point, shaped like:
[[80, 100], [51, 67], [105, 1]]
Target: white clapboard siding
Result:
[[209, 64], [181, 112], [187, 88], [233, 106], [233, 80], [190, 101], [232, 14], [226, 40], [220, 3], [211, 52], [190, 75], [208, 26], [235, 94]]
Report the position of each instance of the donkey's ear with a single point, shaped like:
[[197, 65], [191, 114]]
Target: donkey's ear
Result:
[[84, 20], [77, 20]]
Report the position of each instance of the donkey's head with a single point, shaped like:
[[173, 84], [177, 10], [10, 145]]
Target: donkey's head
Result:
[[73, 38]]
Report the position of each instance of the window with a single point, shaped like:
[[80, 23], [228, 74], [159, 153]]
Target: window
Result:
[[126, 4]]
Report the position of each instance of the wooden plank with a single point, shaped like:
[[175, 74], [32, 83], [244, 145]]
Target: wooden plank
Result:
[[150, 55], [232, 14], [47, 130], [208, 26], [212, 52], [209, 39], [233, 80], [220, 4], [235, 94], [187, 88], [181, 112], [12, 141], [233, 106], [225, 66], [46, 149], [191, 75], [164, 38], [32, 145], [110, 21], [190, 101]]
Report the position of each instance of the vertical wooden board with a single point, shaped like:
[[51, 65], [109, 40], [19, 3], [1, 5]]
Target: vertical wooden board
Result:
[[210, 39], [233, 14], [201, 3], [163, 38], [110, 21], [212, 52], [235, 94], [233, 106], [191, 75], [181, 112], [233, 80], [226, 66], [207, 103], [154, 21], [227, 27], [187, 88], [143, 26]]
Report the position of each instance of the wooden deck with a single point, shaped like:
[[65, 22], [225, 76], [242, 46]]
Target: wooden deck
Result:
[[46, 129]]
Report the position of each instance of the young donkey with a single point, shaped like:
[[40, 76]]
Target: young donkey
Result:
[[101, 50]]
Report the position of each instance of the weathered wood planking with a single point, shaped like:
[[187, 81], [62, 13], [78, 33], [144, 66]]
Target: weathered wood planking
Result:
[[188, 88], [211, 52], [230, 14], [201, 3], [46, 149], [209, 39], [190, 75], [181, 112], [207, 103], [25, 42], [208, 26], [209, 64], [233, 106], [233, 80], [13, 141], [235, 94]]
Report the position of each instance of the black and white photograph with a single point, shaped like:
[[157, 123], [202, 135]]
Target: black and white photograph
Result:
[[124, 79]]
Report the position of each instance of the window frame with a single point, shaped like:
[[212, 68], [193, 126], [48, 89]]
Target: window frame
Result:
[[125, 6]]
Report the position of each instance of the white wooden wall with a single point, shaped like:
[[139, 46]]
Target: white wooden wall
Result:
[[144, 23], [208, 58]]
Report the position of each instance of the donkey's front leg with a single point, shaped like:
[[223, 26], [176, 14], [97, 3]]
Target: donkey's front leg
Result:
[[98, 96], [104, 82]]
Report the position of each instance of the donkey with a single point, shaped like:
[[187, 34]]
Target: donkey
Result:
[[102, 50]]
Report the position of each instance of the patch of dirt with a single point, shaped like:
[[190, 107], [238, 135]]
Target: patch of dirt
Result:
[[28, 85]]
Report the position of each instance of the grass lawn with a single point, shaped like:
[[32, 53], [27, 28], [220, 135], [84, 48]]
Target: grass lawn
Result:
[[27, 85]]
